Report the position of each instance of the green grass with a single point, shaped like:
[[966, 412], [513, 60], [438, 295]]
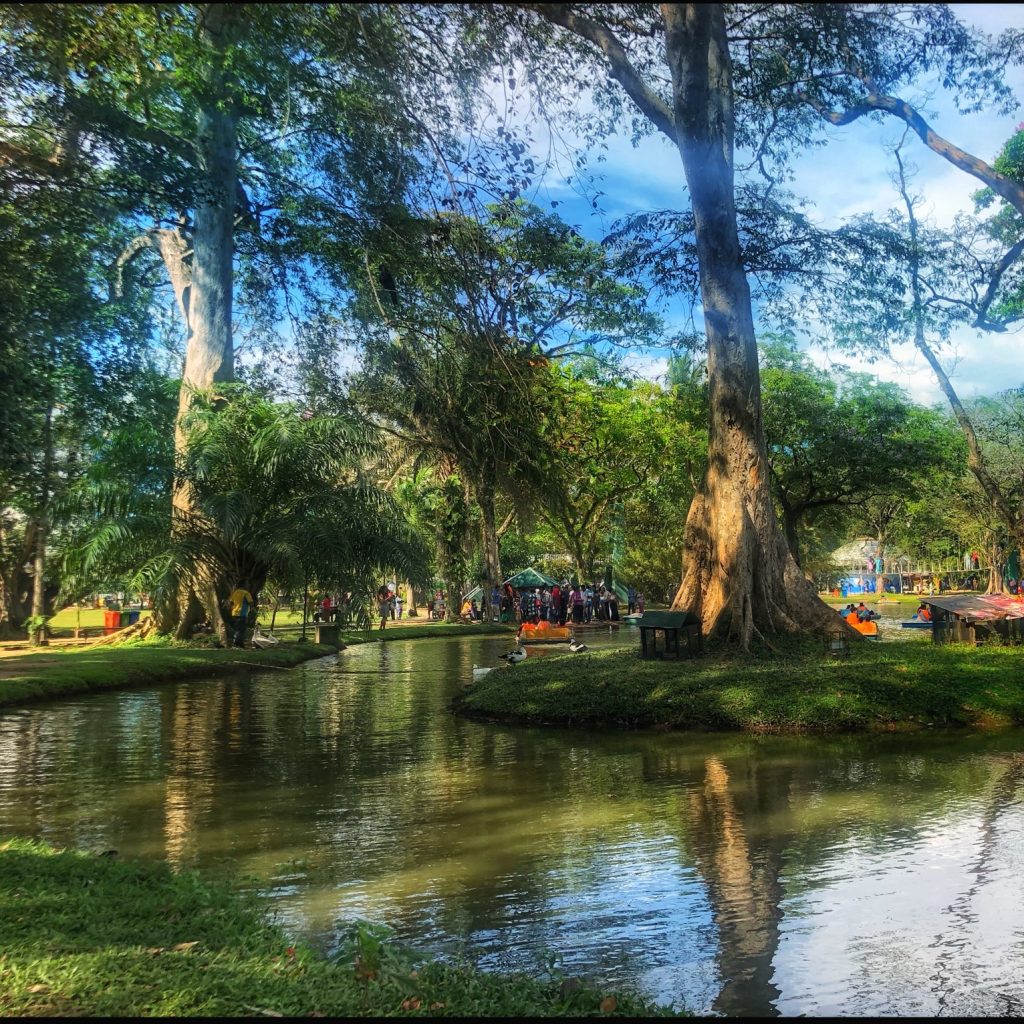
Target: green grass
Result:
[[91, 618], [82, 935], [61, 673], [891, 685]]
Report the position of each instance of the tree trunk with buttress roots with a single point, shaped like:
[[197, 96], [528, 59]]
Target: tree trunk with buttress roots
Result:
[[209, 353], [740, 578]]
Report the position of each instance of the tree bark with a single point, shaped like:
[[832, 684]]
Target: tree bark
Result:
[[492, 553], [740, 579], [209, 352]]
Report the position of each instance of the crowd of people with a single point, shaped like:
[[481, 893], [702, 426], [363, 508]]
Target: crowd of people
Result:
[[564, 602]]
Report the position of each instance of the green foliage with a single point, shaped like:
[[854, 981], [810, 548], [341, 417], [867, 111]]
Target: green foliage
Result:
[[276, 492], [840, 439], [101, 937], [620, 452]]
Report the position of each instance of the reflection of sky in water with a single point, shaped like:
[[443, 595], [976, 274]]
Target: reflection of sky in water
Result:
[[931, 924], [745, 875]]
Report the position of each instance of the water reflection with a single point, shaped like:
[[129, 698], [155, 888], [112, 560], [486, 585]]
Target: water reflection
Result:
[[743, 875]]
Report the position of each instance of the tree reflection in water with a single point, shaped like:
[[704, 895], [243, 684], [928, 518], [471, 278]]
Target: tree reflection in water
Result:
[[748, 875]]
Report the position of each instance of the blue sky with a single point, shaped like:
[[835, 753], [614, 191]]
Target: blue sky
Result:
[[849, 176]]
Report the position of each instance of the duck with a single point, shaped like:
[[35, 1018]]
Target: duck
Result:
[[479, 673], [577, 645], [513, 657]]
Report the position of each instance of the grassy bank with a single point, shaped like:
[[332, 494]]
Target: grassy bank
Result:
[[879, 686], [54, 673], [82, 935]]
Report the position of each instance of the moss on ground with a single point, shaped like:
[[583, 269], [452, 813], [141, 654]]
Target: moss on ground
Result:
[[87, 935], [890, 685]]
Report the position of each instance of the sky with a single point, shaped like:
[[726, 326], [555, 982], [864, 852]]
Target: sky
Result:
[[848, 176]]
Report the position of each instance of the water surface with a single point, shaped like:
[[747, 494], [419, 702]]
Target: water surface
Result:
[[726, 873]]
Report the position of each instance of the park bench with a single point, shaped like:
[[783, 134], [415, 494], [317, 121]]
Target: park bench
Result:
[[675, 626]]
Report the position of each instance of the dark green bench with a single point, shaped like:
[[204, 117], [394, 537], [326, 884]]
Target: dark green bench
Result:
[[675, 626]]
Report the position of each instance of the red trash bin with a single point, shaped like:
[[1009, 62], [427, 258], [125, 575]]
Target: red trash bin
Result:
[[111, 621]]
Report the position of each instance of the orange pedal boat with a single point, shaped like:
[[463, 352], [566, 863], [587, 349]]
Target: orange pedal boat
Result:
[[543, 633]]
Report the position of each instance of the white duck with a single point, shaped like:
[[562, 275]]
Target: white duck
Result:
[[577, 645], [515, 656], [479, 673]]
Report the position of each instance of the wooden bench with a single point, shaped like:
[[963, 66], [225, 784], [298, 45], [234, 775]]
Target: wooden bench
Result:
[[674, 625]]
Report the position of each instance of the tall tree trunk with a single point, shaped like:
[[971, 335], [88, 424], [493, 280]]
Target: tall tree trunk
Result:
[[209, 353], [42, 522], [740, 577], [492, 554]]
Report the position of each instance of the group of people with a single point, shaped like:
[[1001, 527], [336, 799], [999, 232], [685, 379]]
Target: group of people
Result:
[[854, 613], [333, 608], [579, 602]]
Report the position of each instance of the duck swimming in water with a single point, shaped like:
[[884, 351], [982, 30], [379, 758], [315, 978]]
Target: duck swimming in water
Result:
[[515, 656], [577, 645]]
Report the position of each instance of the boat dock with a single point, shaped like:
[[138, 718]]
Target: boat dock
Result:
[[975, 618]]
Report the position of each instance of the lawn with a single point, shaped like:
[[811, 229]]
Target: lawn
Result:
[[890, 685], [83, 935], [61, 673]]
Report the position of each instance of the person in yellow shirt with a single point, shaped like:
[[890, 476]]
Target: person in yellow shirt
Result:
[[241, 604]]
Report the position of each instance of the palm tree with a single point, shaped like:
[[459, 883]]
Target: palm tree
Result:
[[277, 492]]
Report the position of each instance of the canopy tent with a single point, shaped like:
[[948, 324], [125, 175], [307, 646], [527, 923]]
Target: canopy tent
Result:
[[529, 578], [520, 581]]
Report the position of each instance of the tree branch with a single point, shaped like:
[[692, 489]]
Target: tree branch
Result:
[[128, 254], [1009, 258], [649, 102], [1006, 187]]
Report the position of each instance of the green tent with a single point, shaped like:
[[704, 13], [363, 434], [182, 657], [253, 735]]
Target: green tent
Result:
[[529, 578], [521, 580]]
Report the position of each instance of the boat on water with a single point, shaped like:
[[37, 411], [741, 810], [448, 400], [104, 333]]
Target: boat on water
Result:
[[868, 628], [915, 624], [544, 633]]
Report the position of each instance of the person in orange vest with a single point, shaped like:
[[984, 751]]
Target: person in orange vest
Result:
[[924, 613]]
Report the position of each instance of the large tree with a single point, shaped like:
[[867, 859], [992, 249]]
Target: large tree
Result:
[[839, 439], [235, 140], [467, 315], [709, 76]]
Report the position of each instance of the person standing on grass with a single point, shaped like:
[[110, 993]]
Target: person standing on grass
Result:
[[398, 605], [240, 603], [384, 606]]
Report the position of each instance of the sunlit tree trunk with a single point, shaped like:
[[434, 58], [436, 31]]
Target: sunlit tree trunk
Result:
[[209, 352], [740, 578]]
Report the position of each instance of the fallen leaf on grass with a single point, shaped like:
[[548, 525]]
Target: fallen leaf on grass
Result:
[[412, 1004], [36, 989], [608, 1004], [184, 947]]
